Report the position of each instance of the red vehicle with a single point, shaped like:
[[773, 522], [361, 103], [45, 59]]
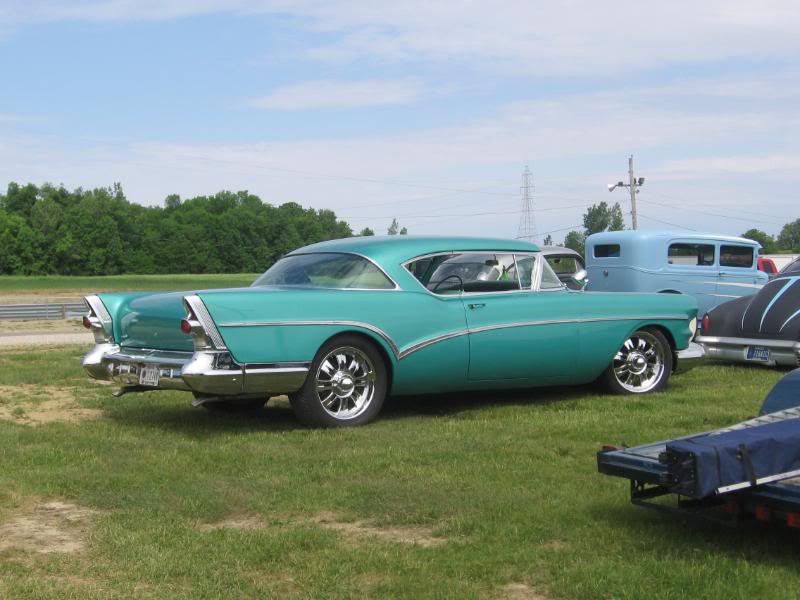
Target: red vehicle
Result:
[[768, 266]]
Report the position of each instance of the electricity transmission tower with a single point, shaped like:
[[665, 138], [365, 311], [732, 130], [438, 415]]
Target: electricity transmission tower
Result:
[[527, 222]]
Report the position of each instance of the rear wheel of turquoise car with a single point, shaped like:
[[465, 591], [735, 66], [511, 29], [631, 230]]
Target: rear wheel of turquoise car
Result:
[[346, 384], [643, 364]]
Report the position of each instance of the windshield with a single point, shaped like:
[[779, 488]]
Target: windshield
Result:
[[326, 270]]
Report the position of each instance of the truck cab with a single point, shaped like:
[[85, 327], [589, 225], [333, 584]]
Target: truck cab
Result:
[[712, 268]]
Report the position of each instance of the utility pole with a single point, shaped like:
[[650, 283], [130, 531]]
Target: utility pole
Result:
[[527, 222], [634, 185]]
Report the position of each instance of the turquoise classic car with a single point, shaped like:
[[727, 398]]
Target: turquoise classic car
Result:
[[339, 325]]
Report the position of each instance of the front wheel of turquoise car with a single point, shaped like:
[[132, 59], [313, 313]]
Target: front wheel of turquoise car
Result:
[[346, 384], [643, 364]]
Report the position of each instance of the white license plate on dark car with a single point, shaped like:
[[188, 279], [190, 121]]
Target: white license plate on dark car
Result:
[[148, 375], [758, 353]]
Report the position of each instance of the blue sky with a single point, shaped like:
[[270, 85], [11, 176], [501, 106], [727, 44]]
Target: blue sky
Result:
[[423, 111]]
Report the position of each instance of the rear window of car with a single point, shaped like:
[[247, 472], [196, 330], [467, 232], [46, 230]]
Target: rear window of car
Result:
[[564, 265], [606, 251], [691, 255], [736, 256], [793, 268], [326, 270]]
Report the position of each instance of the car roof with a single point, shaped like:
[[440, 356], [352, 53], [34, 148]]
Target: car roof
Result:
[[395, 249], [653, 234], [548, 250]]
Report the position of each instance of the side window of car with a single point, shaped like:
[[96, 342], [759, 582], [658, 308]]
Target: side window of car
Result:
[[607, 251], [525, 265], [468, 272], [691, 255], [736, 256], [550, 280], [563, 265]]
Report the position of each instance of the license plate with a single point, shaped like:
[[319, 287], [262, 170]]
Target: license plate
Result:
[[148, 375], [758, 353]]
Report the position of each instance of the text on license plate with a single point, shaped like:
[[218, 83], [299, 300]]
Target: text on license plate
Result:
[[758, 353], [148, 375]]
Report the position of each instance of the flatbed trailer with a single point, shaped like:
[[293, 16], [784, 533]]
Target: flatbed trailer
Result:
[[765, 486]]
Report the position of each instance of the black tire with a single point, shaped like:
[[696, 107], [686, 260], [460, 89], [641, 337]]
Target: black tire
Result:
[[621, 375], [342, 386], [236, 406]]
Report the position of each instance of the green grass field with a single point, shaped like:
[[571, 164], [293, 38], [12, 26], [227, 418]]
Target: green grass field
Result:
[[498, 490], [116, 283]]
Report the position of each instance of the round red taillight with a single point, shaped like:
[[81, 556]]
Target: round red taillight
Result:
[[706, 323], [87, 323], [186, 327]]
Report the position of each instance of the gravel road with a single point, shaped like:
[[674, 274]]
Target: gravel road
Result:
[[31, 340]]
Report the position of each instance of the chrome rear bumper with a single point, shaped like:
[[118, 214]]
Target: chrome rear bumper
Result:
[[782, 352], [210, 372], [689, 358]]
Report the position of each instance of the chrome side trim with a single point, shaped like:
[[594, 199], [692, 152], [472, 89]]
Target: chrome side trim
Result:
[[201, 312], [360, 324], [572, 321], [400, 354], [430, 342]]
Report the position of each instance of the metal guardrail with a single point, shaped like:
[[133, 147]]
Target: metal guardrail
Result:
[[41, 312]]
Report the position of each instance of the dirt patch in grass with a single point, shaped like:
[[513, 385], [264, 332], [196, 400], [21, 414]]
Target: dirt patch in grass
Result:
[[49, 527], [40, 404], [520, 591], [243, 522], [355, 530]]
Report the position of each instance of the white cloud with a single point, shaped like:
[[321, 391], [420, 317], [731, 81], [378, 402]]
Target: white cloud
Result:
[[716, 166], [585, 36], [340, 94]]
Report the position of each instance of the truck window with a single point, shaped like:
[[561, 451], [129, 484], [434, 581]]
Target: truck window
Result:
[[736, 256], [606, 251], [692, 255]]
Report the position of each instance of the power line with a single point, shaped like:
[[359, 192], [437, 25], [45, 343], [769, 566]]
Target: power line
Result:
[[692, 203], [703, 212], [476, 214], [666, 222]]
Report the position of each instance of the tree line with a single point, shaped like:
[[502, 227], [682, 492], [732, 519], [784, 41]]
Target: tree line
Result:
[[602, 217], [48, 230]]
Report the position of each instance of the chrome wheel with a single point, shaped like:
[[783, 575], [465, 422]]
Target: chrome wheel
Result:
[[639, 365], [345, 382]]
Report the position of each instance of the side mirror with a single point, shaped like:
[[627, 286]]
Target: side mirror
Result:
[[580, 277]]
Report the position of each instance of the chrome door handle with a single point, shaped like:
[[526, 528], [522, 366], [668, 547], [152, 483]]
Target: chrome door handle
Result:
[[474, 306]]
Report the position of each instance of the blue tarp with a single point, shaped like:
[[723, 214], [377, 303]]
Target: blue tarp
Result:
[[704, 463]]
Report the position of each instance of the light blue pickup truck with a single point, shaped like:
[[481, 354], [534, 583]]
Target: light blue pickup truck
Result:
[[712, 268]]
